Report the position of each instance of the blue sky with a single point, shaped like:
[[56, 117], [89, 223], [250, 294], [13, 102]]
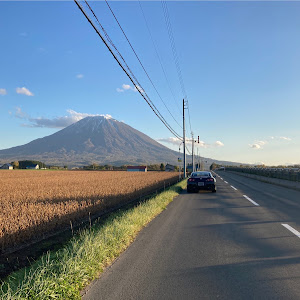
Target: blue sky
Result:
[[240, 63]]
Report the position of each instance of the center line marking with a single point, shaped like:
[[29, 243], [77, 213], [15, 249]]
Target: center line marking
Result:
[[291, 229], [249, 199], [233, 187], [225, 181]]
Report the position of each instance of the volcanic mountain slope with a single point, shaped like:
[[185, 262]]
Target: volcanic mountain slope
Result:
[[93, 139], [99, 140]]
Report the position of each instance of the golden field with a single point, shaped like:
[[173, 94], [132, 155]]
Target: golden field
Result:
[[33, 203]]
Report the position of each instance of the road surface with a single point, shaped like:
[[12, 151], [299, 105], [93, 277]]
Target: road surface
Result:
[[238, 243]]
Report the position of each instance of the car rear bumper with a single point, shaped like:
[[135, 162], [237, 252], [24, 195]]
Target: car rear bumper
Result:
[[207, 186]]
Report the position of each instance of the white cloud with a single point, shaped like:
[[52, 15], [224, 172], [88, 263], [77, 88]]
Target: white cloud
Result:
[[24, 91], [255, 146], [3, 92], [285, 138], [20, 114], [261, 143], [170, 140], [202, 144], [138, 88], [258, 144], [126, 86], [79, 76], [56, 122], [280, 138], [219, 144]]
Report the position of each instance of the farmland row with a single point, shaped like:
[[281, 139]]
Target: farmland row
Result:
[[35, 203]]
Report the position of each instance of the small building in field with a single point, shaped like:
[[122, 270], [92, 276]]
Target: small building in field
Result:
[[7, 167], [136, 168], [33, 167], [169, 168]]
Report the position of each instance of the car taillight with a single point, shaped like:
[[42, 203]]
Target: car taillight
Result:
[[209, 179], [191, 179]]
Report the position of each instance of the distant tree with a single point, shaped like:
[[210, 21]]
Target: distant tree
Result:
[[95, 166], [162, 167], [214, 166], [25, 163], [15, 164], [155, 167]]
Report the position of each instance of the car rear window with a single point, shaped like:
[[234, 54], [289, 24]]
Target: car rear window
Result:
[[197, 174]]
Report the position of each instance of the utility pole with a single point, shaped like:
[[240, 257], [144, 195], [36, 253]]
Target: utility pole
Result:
[[184, 155], [193, 166]]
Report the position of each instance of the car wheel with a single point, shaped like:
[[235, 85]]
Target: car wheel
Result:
[[188, 190], [214, 190]]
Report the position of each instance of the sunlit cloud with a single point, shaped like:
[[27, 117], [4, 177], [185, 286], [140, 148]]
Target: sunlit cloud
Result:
[[219, 144], [201, 144], [261, 143], [128, 87], [55, 122], [138, 88], [258, 144], [3, 92], [255, 146], [171, 140], [285, 138], [20, 114], [24, 91], [79, 76]]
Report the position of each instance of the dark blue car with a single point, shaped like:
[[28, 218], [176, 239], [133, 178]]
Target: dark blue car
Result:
[[201, 180]]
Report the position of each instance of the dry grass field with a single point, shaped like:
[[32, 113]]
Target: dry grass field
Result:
[[33, 203]]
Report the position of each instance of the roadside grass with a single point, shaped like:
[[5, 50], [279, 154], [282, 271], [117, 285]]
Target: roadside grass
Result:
[[64, 273]]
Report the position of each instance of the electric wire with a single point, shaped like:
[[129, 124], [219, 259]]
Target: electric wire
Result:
[[141, 62], [137, 84], [187, 149], [175, 55], [158, 56], [132, 78]]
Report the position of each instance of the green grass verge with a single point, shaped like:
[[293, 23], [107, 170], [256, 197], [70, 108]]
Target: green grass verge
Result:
[[63, 274]]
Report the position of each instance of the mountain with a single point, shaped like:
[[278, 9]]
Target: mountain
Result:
[[96, 139], [93, 139]]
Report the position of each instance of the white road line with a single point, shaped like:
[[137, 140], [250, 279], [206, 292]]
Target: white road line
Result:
[[251, 200], [221, 178], [291, 229], [234, 188], [225, 181]]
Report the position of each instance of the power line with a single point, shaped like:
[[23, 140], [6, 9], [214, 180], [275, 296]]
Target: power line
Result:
[[132, 78], [174, 51], [187, 149], [175, 54], [137, 84], [140, 62], [159, 59]]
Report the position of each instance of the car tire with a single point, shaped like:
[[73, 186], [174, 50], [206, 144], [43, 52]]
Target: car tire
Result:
[[214, 190], [188, 190]]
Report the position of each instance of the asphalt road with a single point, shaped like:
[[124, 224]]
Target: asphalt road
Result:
[[214, 246]]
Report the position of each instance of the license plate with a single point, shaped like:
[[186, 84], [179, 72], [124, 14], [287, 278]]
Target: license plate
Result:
[[200, 183]]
